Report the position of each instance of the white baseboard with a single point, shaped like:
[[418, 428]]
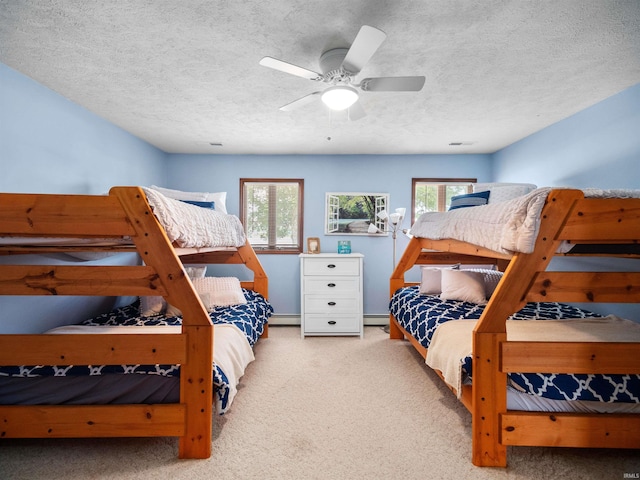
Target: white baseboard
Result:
[[284, 319]]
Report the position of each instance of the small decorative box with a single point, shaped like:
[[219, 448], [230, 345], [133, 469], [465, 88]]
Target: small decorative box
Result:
[[344, 246]]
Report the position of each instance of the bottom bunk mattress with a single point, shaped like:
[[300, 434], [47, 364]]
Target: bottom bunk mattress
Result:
[[237, 329], [421, 316]]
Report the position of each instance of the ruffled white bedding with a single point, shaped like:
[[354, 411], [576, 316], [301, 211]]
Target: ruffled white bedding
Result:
[[505, 227], [192, 226]]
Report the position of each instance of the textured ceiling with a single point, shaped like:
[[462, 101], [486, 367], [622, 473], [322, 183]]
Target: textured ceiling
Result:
[[183, 74]]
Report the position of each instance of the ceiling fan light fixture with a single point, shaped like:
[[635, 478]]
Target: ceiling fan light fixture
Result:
[[339, 97]]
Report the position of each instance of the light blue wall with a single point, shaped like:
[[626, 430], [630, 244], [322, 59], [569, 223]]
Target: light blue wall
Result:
[[321, 174], [51, 145], [597, 147]]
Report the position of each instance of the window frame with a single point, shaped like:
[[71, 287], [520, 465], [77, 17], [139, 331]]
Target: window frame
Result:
[[438, 181], [270, 249]]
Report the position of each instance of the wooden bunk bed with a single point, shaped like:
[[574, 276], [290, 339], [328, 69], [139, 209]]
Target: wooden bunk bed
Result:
[[123, 214], [608, 227]]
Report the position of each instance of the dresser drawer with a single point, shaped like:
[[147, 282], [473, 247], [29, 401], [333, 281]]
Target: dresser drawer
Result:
[[331, 266], [326, 324], [331, 304], [330, 285]]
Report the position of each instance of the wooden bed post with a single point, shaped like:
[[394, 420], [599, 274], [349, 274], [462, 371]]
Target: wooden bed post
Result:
[[196, 374], [489, 398], [396, 281], [260, 279]]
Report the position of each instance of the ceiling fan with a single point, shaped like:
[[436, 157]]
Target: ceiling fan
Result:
[[339, 67]]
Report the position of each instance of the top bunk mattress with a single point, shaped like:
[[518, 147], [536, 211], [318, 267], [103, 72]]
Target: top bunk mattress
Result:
[[505, 227]]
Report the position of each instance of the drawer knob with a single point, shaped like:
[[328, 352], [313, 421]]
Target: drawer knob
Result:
[[331, 265], [331, 303], [331, 285], [331, 322]]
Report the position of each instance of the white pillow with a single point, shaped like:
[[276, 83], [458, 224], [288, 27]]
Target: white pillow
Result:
[[214, 292], [431, 279], [464, 286], [491, 279], [219, 291], [501, 192], [219, 198]]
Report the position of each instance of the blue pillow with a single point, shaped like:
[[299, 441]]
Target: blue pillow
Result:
[[210, 205], [469, 200]]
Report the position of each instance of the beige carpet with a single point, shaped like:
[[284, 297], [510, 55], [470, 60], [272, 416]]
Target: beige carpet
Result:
[[320, 408]]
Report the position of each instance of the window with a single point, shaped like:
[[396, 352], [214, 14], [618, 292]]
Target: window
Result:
[[271, 212], [434, 194]]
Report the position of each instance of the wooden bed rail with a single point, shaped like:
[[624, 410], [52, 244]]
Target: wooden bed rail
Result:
[[569, 430], [92, 349], [570, 357], [46, 215], [603, 220], [64, 421]]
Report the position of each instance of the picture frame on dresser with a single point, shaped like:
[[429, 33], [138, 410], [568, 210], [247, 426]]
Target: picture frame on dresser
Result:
[[313, 245]]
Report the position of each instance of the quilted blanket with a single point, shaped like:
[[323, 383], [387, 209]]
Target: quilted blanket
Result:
[[505, 227], [193, 226]]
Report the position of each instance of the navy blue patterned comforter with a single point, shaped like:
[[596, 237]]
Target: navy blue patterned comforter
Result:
[[421, 314], [250, 318]]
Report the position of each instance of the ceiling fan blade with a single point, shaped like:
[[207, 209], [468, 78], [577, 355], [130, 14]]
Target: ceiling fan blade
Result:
[[356, 112], [300, 102], [364, 46], [392, 84], [290, 68]]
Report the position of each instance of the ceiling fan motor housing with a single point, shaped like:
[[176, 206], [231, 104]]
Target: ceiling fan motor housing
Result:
[[331, 66]]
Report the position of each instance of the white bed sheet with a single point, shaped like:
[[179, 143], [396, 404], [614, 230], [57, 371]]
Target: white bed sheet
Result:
[[533, 403]]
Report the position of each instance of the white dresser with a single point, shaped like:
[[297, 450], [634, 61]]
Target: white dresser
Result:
[[331, 294]]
